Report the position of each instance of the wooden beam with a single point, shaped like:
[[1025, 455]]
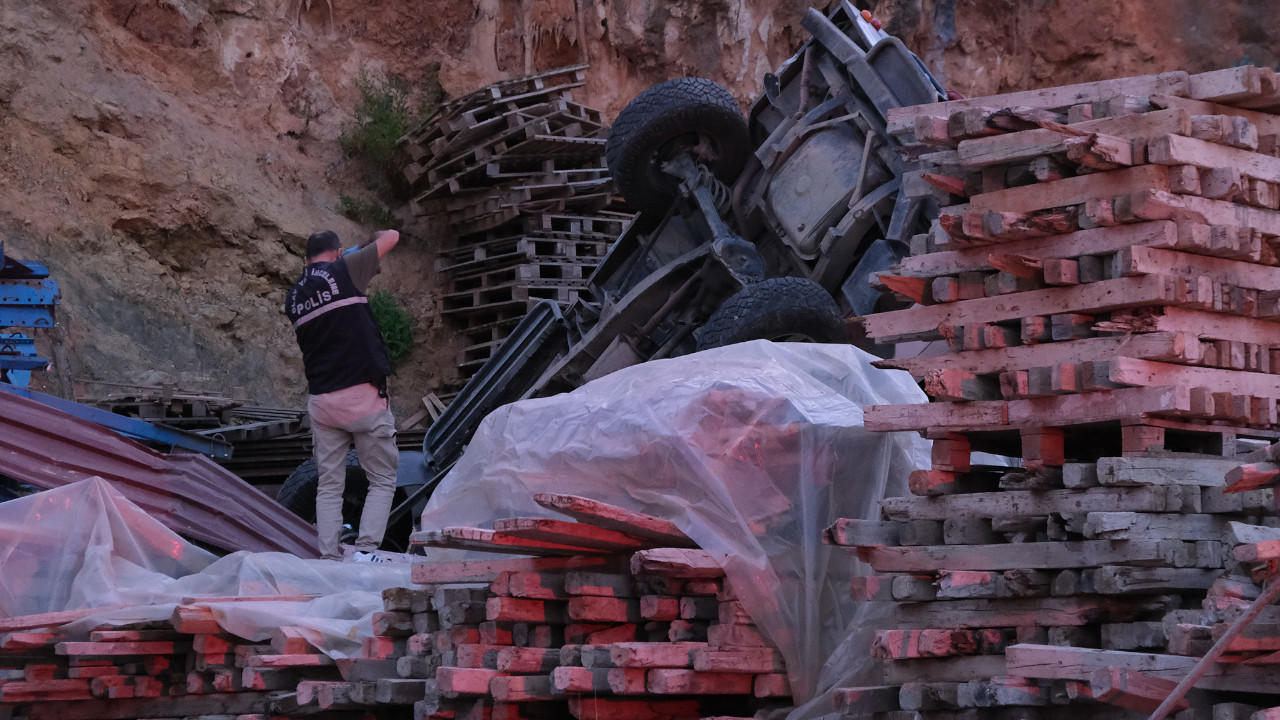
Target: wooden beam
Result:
[[489, 570], [1073, 611], [922, 323], [1131, 689], [612, 517], [1157, 204], [1173, 347], [1028, 144], [1095, 241], [1038, 503], [1206, 325], [1064, 410], [1147, 373], [1178, 150], [1068, 663], [1133, 261], [1266, 123], [568, 533], [1171, 83], [678, 563], [1074, 190], [1031, 556]]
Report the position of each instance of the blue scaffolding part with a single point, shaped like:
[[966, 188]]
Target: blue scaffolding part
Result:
[[132, 427], [27, 299]]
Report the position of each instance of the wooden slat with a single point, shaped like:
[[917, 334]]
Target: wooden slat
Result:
[[1167, 346], [1172, 83], [489, 570], [612, 517], [1029, 144], [923, 323], [1065, 410], [569, 533]]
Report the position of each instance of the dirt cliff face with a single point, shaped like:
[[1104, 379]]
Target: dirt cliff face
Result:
[[167, 158], [982, 47]]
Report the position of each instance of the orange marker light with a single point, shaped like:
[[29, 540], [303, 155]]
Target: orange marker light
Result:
[[866, 15]]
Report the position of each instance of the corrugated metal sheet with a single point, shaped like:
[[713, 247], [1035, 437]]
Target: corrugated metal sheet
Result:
[[188, 493]]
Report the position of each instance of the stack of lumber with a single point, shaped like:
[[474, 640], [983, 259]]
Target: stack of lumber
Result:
[[1103, 275], [517, 172], [617, 615], [186, 667]]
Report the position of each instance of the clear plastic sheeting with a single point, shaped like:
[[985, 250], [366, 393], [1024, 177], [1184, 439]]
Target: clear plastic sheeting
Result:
[[751, 450], [85, 545]]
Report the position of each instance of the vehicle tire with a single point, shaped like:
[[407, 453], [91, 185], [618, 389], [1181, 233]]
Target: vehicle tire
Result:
[[298, 493], [785, 309], [685, 114]]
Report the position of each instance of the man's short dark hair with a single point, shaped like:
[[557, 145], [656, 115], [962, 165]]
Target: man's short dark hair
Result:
[[322, 242]]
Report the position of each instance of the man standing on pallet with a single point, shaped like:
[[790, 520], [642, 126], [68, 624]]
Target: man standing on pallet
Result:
[[347, 365]]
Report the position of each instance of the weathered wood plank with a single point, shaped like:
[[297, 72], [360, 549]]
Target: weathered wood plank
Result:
[[1095, 241], [1205, 472], [1031, 612], [1029, 144], [1112, 525], [612, 517], [1173, 347], [1035, 503], [1178, 150], [1122, 404], [1206, 325], [1045, 661], [1172, 83], [489, 570], [568, 533], [1148, 373], [677, 563], [1157, 204], [1158, 261], [924, 322], [1074, 190], [1034, 555]]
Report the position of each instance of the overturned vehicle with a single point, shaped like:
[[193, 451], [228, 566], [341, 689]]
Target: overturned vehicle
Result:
[[758, 227]]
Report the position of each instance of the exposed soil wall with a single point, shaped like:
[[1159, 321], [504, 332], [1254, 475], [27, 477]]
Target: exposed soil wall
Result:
[[166, 158]]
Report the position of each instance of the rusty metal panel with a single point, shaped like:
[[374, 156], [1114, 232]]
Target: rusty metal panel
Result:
[[190, 494]]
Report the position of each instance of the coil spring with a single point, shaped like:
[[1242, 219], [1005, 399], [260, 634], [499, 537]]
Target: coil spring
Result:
[[720, 192]]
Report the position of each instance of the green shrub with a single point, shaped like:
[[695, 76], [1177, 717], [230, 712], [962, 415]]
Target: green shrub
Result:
[[370, 212], [396, 324], [383, 116]]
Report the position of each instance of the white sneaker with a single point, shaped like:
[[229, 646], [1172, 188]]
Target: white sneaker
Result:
[[362, 556]]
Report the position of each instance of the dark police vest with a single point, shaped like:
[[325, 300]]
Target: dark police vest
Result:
[[340, 341]]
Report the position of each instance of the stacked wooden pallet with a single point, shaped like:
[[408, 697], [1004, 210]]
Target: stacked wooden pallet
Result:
[[517, 171], [1103, 275], [497, 274], [618, 615]]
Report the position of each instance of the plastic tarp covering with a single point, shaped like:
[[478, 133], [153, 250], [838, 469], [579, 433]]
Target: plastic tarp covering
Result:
[[85, 545], [751, 450]]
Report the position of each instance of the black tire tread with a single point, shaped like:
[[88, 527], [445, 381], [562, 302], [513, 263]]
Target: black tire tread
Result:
[[665, 111], [298, 492], [772, 308]]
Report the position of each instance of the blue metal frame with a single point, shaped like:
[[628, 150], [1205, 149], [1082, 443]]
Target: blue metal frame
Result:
[[27, 299], [132, 427]]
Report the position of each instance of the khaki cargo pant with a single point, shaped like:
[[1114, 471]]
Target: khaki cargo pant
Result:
[[375, 439]]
